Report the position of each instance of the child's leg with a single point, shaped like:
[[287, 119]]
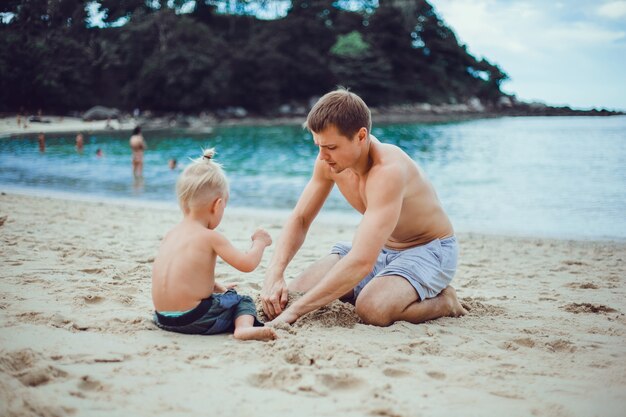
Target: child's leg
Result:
[[245, 330]]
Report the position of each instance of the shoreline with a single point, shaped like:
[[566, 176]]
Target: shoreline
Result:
[[60, 125], [326, 217], [77, 335], [330, 217]]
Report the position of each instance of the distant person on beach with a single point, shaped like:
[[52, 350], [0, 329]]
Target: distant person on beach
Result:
[[404, 253], [42, 142], [172, 163], [80, 142], [186, 297], [137, 146]]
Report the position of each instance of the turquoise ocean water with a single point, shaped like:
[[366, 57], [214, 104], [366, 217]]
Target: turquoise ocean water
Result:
[[557, 177]]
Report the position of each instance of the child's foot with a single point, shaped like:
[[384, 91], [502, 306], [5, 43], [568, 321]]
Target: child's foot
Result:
[[255, 333]]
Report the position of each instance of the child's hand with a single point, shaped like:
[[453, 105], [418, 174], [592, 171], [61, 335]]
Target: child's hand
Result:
[[262, 236]]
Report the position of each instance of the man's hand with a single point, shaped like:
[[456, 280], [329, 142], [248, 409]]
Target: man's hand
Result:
[[274, 297], [285, 317]]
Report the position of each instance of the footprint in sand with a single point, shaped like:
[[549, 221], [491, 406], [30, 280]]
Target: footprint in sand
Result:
[[561, 346], [92, 299], [436, 375], [18, 360], [275, 378], [22, 364], [571, 263], [38, 376], [300, 357], [88, 383], [476, 308], [92, 270], [525, 341], [588, 308], [583, 286], [504, 394], [340, 381], [395, 372], [515, 344]]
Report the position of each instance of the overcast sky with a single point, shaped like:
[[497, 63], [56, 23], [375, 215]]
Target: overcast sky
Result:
[[567, 52]]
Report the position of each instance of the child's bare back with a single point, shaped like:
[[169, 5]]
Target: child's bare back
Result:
[[183, 271], [185, 295]]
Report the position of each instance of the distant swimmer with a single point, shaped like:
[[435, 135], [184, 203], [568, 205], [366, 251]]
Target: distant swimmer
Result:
[[42, 142], [138, 146], [80, 142]]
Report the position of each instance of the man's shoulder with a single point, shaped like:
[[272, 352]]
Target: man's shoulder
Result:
[[391, 163], [393, 152]]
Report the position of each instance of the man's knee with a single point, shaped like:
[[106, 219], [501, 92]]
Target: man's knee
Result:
[[374, 311]]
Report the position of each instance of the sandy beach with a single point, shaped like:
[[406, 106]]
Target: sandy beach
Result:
[[546, 334], [58, 125]]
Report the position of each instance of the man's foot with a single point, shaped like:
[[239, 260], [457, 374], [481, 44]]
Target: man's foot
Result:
[[255, 333], [454, 307]]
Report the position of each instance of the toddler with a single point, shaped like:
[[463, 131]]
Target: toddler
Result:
[[184, 292]]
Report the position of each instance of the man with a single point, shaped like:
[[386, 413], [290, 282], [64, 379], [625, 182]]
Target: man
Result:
[[404, 253]]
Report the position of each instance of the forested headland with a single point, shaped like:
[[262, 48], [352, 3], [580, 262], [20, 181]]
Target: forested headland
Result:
[[192, 56]]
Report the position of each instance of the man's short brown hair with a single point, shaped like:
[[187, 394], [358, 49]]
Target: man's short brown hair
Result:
[[342, 109]]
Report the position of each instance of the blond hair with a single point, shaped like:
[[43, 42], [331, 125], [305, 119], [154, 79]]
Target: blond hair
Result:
[[342, 109], [202, 181]]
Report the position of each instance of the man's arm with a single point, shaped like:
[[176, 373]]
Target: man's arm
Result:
[[274, 295], [384, 193]]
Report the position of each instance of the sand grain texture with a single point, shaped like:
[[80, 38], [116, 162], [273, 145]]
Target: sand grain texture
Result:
[[545, 335]]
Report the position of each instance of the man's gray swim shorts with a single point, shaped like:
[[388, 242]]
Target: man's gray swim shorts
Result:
[[429, 268]]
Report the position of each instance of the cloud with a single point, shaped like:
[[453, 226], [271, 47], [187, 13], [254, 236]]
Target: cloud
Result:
[[484, 22], [613, 10], [559, 52], [523, 26], [584, 33]]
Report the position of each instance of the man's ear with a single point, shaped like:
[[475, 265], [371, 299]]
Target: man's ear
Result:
[[362, 133]]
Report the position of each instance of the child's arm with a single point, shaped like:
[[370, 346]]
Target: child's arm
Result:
[[243, 261]]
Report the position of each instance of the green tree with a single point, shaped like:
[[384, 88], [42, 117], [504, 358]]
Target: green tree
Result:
[[350, 45], [149, 54]]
